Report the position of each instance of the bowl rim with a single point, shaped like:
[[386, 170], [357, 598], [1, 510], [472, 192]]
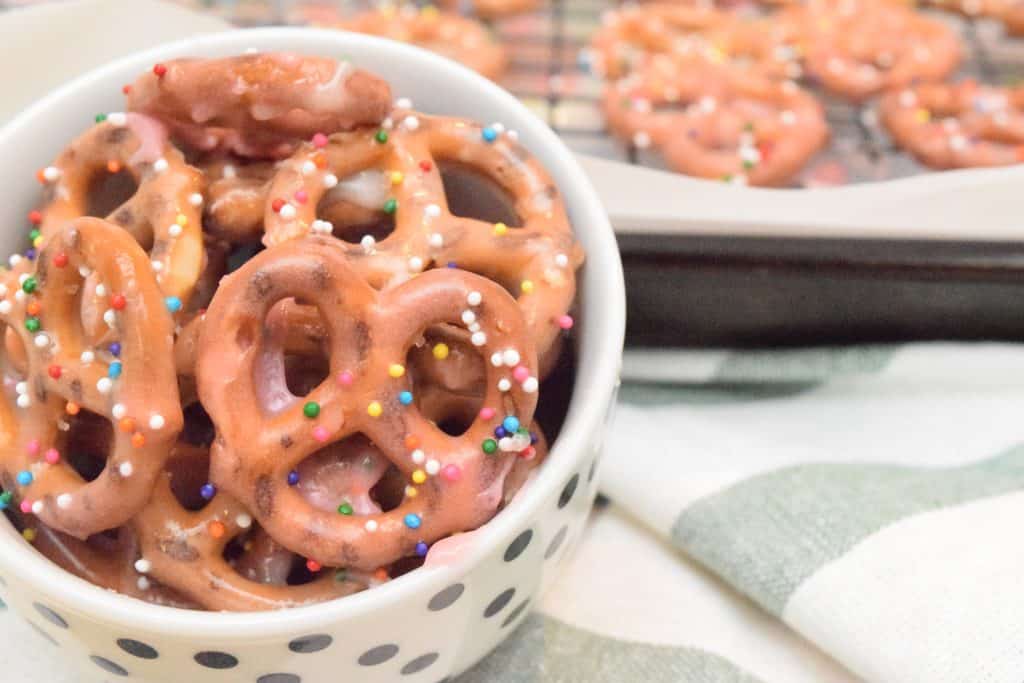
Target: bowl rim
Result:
[[598, 384]]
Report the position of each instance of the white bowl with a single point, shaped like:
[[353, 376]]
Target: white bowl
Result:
[[430, 623]]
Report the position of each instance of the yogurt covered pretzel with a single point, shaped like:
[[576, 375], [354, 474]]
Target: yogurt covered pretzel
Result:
[[128, 380], [264, 432], [163, 214], [490, 9], [958, 125], [398, 172], [258, 105], [1010, 12]]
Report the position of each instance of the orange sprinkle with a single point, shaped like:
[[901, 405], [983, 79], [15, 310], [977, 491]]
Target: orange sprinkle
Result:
[[320, 159], [381, 574], [138, 439], [113, 165], [217, 529], [40, 177], [33, 308], [126, 425], [72, 408], [412, 442]]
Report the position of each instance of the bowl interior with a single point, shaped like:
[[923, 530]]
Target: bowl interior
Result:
[[434, 85]]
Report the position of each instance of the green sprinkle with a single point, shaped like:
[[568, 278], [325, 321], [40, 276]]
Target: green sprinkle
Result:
[[29, 285], [391, 205], [100, 118], [34, 235], [381, 136], [345, 509], [311, 409], [747, 164], [32, 324], [489, 446]]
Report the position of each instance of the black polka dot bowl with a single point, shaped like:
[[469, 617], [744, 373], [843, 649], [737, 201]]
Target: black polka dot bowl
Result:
[[431, 623]]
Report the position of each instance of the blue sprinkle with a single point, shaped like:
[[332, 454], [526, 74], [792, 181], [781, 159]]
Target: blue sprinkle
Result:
[[500, 432], [293, 478], [412, 521], [115, 349], [114, 371], [25, 478], [489, 134], [405, 398], [208, 491], [452, 264], [510, 423], [173, 304], [421, 548], [30, 254]]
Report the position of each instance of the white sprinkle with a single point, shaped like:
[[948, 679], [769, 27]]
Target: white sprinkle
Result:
[[118, 118], [504, 384], [642, 139], [160, 165], [5, 307], [403, 103], [418, 456], [368, 243], [14, 260], [308, 168], [22, 278], [432, 467], [101, 290], [244, 521], [195, 199], [142, 565], [530, 385], [37, 507], [478, 339], [156, 421], [474, 327], [561, 260], [510, 357], [174, 230], [468, 317], [21, 388], [323, 227], [387, 124], [707, 104], [104, 385], [84, 271], [64, 501], [411, 123], [110, 317], [118, 411], [143, 583], [125, 469], [157, 266], [330, 180], [228, 172], [87, 357], [287, 212], [474, 298], [432, 210], [371, 525], [415, 264], [436, 240], [42, 341], [750, 155], [51, 173], [20, 295], [24, 401]]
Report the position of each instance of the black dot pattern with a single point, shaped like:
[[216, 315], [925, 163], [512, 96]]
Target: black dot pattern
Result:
[[516, 613], [378, 655], [498, 603], [309, 644], [46, 636], [279, 678], [216, 660], [419, 664], [50, 615], [568, 491], [556, 543], [516, 548], [108, 666], [446, 598], [137, 648]]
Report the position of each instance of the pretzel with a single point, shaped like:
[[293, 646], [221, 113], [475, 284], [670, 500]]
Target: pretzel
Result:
[[712, 121], [456, 37], [185, 549], [490, 9], [162, 214], [860, 48], [235, 196], [397, 171], [1009, 12], [957, 126], [264, 432], [128, 381], [258, 105]]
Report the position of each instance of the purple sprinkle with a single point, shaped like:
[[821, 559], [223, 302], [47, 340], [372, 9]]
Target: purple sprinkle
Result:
[[208, 491], [115, 349], [30, 254], [293, 478], [534, 438], [451, 264], [421, 549], [500, 432]]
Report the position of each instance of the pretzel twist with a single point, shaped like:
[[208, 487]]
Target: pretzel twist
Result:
[[264, 432]]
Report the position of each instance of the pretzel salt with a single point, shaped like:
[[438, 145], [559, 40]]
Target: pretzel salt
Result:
[[163, 214], [264, 432], [398, 171], [258, 105], [128, 381], [959, 125]]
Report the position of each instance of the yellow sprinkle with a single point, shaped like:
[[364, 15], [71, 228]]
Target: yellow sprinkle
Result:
[[419, 476], [411, 492], [29, 534], [500, 229], [429, 11], [38, 242], [181, 220], [374, 409], [923, 116], [397, 177], [440, 351], [526, 286], [396, 370]]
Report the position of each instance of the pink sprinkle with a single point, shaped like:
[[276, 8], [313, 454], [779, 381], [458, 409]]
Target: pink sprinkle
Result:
[[26, 506], [320, 434], [319, 140], [487, 413], [345, 378], [301, 196], [565, 322], [451, 472], [33, 447], [521, 373], [52, 456]]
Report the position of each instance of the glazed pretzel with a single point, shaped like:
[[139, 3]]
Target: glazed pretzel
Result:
[[398, 171], [957, 126], [860, 48], [129, 380], [236, 194], [258, 105], [163, 214], [264, 432], [1009, 12], [454, 36], [712, 121], [185, 550], [490, 9]]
